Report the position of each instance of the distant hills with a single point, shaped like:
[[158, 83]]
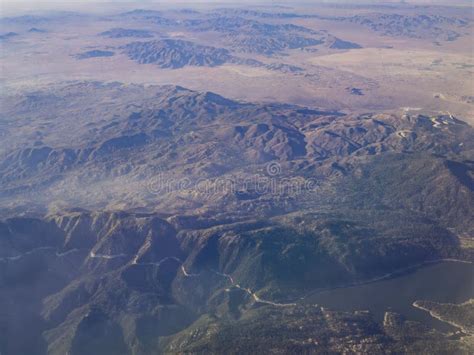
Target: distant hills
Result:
[[94, 54], [36, 30], [432, 27], [8, 35], [126, 32], [247, 35], [170, 53]]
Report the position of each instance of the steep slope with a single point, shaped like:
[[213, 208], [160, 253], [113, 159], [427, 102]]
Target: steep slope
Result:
[[139, 280]]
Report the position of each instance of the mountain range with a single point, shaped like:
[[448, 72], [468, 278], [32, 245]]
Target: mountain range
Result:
[[164, 261]]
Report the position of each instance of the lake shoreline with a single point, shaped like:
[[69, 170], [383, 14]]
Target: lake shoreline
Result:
[[442, 280], [388, 276], [435, 316]]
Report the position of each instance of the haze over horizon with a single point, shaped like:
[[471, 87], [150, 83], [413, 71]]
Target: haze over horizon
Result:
[[32, 5]]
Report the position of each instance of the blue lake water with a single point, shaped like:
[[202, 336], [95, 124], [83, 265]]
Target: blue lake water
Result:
[[446, 282]]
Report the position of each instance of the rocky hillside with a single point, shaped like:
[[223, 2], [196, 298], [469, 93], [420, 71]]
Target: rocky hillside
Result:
[[174, 54], [145, 282], [251, 36], [432, 27], [172, 141]]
